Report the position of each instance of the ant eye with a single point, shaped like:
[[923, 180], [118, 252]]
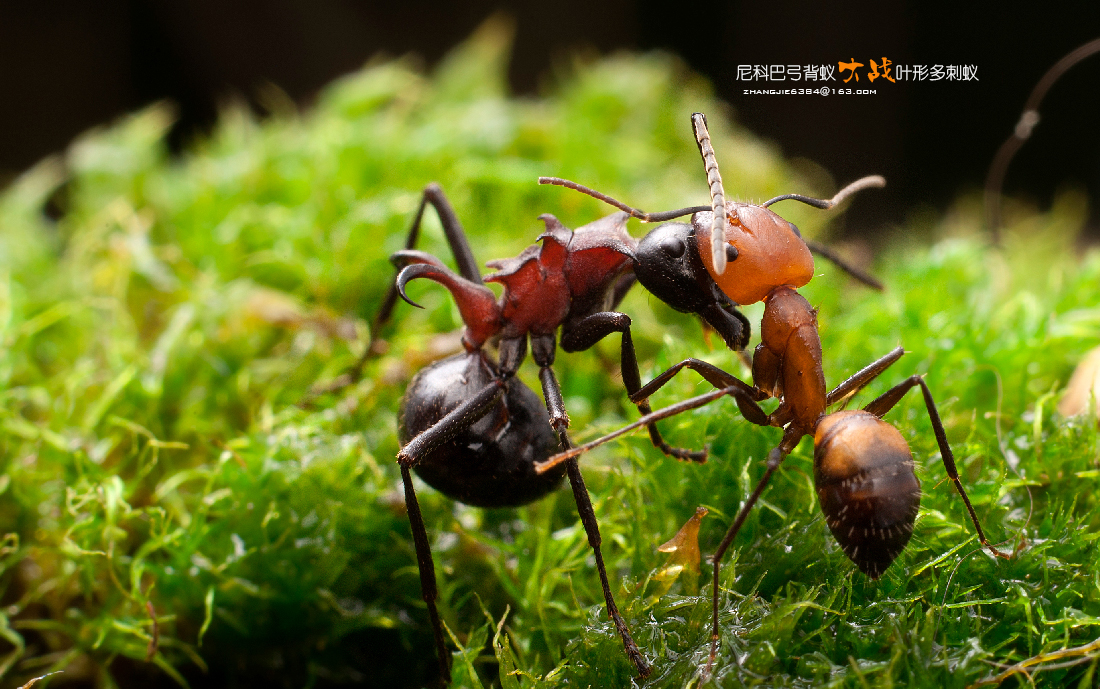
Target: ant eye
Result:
[[674, 247], [731, 253], [794, 228]]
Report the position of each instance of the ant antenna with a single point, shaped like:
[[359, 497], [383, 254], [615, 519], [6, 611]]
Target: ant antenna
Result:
[[838, 261], [717, 192], [825, 204], [994, 180], [634, 212]]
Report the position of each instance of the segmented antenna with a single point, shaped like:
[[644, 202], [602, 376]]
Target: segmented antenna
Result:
[[717, 192], [634, 212], [825, 204]]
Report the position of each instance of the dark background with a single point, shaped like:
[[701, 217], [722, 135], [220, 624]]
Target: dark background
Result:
[[68, 65]]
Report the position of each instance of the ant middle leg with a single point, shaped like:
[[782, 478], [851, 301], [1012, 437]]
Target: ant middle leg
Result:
[[542, 350], [592, 530], [886, 402], [590, 330]]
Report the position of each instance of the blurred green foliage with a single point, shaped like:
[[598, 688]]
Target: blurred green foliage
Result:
[[158, 477]]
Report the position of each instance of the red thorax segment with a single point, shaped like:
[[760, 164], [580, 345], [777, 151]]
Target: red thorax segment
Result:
[[536, 296], [769, 253], [543, 284], [787, 362], [598, 254]]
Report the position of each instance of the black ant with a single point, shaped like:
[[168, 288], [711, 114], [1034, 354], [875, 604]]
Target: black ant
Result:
[[475, 432], [863, 468]]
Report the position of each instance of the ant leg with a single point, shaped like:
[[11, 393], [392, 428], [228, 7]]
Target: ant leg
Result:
[[864, 376], [542, 351], [428, 589], [512, 352], [791, 437], [460, 248], [592, 529], [746, 395], [459, 419], [452, 229], [444, 429], [886, 402], [594, 328]]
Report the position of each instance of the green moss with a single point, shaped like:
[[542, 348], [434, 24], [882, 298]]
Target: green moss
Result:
[[156, 340]]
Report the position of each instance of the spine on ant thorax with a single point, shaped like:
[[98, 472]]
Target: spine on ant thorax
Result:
[[787, 362]]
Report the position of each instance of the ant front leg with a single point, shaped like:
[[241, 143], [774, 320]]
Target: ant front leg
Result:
[[592, 329], [886, 402], [746, 395]]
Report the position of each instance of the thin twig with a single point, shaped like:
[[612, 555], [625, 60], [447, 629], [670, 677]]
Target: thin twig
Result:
[[994, 181]]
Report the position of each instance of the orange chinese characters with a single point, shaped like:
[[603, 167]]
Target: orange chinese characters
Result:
[[850, 67], [885, 66]]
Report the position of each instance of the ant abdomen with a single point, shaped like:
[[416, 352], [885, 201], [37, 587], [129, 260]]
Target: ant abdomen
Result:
[[491, 463], [863, 472]]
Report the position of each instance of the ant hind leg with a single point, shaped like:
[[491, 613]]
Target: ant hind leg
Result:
[[460, 248], [467, 267], [886, 402], [428, 587]]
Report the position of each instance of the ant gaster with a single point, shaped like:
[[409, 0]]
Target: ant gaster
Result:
[[472, 430], [863, 468]]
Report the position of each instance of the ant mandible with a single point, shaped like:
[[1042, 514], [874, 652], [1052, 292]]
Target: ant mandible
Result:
[[472, 430], [863, 468]]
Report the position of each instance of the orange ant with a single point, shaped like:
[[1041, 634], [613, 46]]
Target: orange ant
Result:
[[863, 468]]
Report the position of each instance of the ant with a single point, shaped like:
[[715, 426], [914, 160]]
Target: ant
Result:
[[474, 431], [863, 468]]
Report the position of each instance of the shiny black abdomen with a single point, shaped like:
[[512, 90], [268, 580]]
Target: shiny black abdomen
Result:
[[490, 464]]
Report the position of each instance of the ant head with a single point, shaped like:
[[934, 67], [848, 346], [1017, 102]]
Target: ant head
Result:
[[769, 252], [668, 264]]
